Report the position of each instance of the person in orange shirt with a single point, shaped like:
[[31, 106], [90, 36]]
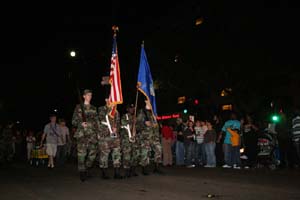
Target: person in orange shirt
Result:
[[235, 141]]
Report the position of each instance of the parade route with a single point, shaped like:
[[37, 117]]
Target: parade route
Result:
[[25, 182]]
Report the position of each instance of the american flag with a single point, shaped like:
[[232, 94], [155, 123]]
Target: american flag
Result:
[[115, 96]]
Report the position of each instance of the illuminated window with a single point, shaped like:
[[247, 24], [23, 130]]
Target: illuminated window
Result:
[[223, 93], [181, 100], [226, 92], [199, 21], [227, 107]]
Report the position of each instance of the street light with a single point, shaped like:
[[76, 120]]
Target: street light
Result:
[[72, 53]]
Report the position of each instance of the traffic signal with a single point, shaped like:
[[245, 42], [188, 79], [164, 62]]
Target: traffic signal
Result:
[[196, 101], [185, 111], [275, 118]]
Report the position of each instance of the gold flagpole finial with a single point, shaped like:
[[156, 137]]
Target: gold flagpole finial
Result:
[[115, 28]]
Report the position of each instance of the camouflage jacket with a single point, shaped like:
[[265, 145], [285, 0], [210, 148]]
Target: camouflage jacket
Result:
[[126, 119], [92, 128], [147, 132], [114, 122], [7, 135]]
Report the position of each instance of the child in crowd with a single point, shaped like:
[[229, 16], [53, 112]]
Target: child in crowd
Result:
[[30, 141], [235, 141]]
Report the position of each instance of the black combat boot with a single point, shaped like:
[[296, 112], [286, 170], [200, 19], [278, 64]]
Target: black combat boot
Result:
[[133, 172], [104, 173], [157, 170], [82, 176], [145, 171], [117, 174], [127, 173]]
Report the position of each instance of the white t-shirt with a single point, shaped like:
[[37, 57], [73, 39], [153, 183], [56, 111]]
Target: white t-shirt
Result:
[[64, 131], [30, 140], [200, 132]]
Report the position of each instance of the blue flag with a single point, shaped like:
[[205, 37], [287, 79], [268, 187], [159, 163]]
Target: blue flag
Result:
[[145, 82]]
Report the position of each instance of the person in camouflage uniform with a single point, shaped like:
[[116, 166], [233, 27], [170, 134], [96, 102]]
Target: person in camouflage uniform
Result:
[[86, 134], [130, 148], [148, 129], [109, 139], [6, 144]]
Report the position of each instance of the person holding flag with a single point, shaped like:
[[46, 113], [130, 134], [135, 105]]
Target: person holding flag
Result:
[[110, 119], [146, 124], [130, 143], [109, 139]]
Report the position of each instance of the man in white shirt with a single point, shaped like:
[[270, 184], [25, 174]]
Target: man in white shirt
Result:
[[296, 136], [200, 130], [51, 133]]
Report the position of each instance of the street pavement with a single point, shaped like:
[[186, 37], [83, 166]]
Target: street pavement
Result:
[[22, 181]]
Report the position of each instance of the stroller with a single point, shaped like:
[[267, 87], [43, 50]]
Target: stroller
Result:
[[38, 156], [267, 144]]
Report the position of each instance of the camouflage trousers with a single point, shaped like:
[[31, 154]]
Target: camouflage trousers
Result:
[[130, 153], [6, 152], [86, 154], [146, 147], [110, 145]]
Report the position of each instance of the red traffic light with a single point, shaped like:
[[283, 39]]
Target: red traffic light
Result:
[[196, 101]]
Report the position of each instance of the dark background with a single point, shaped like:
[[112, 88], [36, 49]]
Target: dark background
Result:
[[251, 47]]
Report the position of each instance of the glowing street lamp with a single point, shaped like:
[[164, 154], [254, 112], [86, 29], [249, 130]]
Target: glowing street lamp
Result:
[[73, 54]]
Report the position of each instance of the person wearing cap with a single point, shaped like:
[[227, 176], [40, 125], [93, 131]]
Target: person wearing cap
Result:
[[51, 132], [109, 139], [130, 146], [86, 134], [149, 137]]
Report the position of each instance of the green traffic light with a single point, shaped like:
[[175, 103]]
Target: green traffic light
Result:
[[185, 111], [275, 118]]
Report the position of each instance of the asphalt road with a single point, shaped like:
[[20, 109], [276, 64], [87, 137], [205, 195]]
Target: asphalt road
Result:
[[27, 182]]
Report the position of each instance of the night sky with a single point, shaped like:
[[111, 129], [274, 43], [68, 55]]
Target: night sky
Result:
[[251, 47]]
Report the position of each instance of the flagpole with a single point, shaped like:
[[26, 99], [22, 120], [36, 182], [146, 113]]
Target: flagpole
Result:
[[136, 102], [137, 90]]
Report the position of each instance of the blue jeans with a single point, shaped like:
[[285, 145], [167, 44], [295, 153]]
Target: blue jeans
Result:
[[189, 148], [228, 154], [210, 153], [236, 160], [179, 153], [200, 154]]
